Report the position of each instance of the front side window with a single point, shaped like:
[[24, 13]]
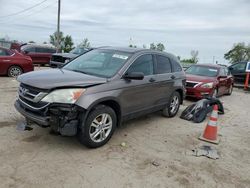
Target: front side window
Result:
[[29, 49], [239, 67], [103, 63], [223, 72], [163, 65], [142, 64]]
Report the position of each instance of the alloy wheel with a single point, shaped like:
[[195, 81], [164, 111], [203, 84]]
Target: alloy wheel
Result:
[[15, 71], [100, 127], [174, 104]]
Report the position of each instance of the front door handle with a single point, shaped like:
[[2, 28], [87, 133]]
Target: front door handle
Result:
[[151, 80]]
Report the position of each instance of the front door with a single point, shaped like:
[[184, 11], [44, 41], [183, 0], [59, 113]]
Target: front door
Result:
[[239, 71]]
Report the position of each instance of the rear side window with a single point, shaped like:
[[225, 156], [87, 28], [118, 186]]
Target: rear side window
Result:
[[3, 52], [176, 66], [163, 65], [143, 64], [51, 50], [45, 50]]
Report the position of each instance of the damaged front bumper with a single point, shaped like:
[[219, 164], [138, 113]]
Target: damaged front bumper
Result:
[[62, 118]]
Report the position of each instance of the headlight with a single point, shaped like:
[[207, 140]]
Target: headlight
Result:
[[69, 96], [207, 85]]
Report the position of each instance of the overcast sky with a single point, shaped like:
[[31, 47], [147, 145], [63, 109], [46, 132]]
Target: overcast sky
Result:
[[210, 26]]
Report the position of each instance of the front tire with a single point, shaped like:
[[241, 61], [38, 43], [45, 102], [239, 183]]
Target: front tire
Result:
[[173, 105], [98, 127], [14, 71], [230, 90]]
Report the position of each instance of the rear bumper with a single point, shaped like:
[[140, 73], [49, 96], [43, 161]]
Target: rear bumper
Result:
[[43, 121], [199, 92]]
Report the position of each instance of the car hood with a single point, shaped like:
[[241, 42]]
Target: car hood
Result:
[[59, 78], [196, 78], [66, 55]]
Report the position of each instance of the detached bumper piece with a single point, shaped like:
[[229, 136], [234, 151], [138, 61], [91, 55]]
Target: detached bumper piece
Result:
[[62, 118]]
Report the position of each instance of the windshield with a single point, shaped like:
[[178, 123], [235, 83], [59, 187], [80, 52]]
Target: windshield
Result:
[[78, 50], [202, 71], [103, 63]]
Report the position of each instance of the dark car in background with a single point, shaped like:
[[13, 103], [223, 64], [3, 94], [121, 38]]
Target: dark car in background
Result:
[[238, 70], [40, 54], [208, 80], [94, 93], [58, 59], [13, 63]]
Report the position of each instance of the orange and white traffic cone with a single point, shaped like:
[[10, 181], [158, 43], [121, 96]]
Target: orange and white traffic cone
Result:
[[210, 133]]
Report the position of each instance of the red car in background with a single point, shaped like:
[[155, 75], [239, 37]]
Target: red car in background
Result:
[[40, 54], [208, 80], [13, 63]]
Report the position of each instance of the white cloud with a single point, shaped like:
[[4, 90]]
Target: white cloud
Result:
[[210, 26]]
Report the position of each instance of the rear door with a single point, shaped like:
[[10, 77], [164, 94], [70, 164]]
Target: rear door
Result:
[[140, 95], [222, 81], [43, 55], [5, 61], [164, 79]]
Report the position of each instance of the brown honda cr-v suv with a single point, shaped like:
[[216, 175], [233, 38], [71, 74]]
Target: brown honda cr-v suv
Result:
[[93, 94]]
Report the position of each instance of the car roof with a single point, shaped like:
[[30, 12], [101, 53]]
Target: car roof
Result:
[[136, 50], [38, 45], [123, 49], [209, 65]]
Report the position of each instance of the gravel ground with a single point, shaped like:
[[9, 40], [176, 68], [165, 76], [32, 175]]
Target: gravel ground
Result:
[[157, 151]]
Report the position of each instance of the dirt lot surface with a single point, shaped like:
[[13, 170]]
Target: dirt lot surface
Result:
[[157, 151]]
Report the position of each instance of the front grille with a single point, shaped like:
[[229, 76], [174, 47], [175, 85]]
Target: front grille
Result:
[[191, 84], [30, 97]]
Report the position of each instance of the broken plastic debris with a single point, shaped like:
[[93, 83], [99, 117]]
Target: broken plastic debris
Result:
[[155, 163], [207, 151], [22, 126], [123, 144]]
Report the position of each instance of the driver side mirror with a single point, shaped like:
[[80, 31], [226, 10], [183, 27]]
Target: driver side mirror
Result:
[[134, 76], [25, 52], [231, 68]]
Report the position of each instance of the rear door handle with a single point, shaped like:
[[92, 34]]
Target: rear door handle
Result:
[[172, 77], [151, 80]]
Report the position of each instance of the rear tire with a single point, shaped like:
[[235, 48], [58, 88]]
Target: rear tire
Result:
[[98, 127], [15, 71], [172, 106], [215, 93]]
